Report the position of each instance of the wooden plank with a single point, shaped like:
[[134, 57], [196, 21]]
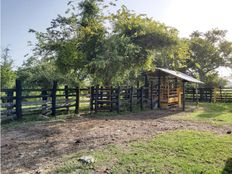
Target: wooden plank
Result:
[[141, 98], [77, 104], [96, 98], [159, 81], [131, 99], [151, 96], [53, 95], [66, 92], [118, 99], [183, 100], [18, 103]]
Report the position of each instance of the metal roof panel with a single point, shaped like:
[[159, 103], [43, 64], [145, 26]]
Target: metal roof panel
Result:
[[180, 75]]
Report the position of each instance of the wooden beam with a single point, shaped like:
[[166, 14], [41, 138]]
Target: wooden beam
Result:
[[66, 97], [18, 102], [54, 89], [77, 104], [183, 100], [159, 73]]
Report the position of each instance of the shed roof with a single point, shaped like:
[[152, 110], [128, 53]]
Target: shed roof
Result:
[[180, 75]]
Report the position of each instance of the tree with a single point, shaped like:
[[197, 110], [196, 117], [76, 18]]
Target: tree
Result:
[[8, 75], [82, 44], [173, 57], [208, 51], [42, 73]]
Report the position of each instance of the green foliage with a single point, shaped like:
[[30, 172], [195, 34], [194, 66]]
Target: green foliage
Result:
[[114, 48], [173, 152], [214, 80], [42, 73], [208, 51], [82, 43], [173, 57], [8, 75]]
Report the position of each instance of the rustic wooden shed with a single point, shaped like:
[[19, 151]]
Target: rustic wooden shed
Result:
[[170, 86]]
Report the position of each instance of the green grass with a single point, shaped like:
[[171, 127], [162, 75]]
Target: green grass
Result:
[[174, 152], [216, 113]]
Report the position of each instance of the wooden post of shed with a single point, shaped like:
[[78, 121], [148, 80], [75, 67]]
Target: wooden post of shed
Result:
[[183, 99], [159, 89], [18, 102]]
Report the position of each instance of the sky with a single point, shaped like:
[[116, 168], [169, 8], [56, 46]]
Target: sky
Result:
[[18, 16]]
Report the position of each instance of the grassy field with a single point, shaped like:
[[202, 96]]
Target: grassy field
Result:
[[216, 113], [173, 152]]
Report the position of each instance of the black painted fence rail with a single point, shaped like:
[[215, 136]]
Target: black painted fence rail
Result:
[[17, 102]]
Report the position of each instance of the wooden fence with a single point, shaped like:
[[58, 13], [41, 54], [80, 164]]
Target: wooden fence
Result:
[[17, 102], [209, 94]]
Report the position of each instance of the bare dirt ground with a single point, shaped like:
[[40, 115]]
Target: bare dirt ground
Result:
[[35, 148]]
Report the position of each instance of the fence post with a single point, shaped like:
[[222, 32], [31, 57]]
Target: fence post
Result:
[[96, 98], [118, 99], [220, 92], [53, 95], [211, 95], [91, 98], [18, 103], [77, 104], [66, 97], [193, 91], [141, 98], [151, 96], [214, 95], [44, 99], [131, 99], [137, 90], [10, 101], [111, 98]]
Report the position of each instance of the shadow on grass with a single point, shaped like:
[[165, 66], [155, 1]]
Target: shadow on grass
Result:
[[228, 167]]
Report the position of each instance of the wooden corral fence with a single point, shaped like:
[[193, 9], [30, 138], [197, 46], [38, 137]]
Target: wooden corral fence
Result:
[[209, 94], [17, 102]]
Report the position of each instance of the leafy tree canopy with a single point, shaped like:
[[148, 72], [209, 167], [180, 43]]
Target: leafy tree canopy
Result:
[[84, 44], [8, 75], [208, 51]]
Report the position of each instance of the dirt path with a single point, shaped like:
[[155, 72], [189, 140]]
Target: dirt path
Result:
[[35, 148]]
